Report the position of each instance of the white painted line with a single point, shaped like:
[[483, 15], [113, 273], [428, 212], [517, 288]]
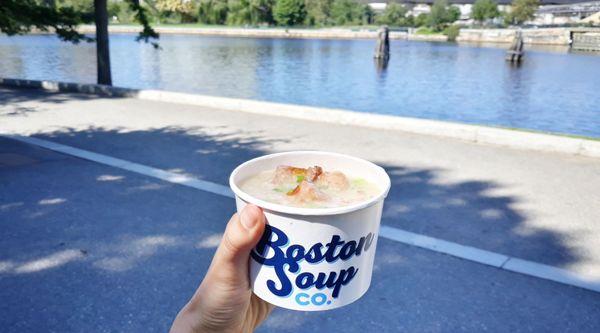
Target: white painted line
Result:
[[550, 273], [473, 254], [179, 179], [129, 166]]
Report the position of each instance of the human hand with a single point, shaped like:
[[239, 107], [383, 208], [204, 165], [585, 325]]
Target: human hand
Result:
[[224, 301]]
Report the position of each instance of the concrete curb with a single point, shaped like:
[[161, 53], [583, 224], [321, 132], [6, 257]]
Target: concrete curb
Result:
[[471, 133]]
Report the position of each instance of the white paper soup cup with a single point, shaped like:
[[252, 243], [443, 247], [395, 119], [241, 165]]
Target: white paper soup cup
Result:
[[314, 259]]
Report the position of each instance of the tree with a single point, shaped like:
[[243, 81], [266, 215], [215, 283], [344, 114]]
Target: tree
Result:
[[522, 10], [212, 11], [394, 15], [182, 9], [441, 14], [367, 15], [453, 14], [317, 12], [345, 12], [289, 12], [421, 20], [102, 46], [250, 12], [484, 10], [21, 16]]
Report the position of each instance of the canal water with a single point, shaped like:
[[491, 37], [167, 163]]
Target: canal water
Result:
[[552, 91]]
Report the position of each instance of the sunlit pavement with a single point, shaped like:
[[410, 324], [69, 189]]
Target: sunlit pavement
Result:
[[87, 247]]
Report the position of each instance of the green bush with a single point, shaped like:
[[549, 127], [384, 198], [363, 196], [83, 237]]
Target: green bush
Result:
[[121, 11], [177, 11], [253, 12], [78, 5], [421, 20], [212, 11], [346, 12], [522, 10], [452, 32], [485, 10], [289, 12], [394, 15], [318, 12], [441, 14], [426, 31]]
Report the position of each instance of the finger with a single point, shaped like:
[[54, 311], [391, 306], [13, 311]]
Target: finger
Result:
[[242, 233]]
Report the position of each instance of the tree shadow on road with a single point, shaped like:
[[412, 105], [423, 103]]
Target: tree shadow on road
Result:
[[466, 212], [154, 227], [469, 213]]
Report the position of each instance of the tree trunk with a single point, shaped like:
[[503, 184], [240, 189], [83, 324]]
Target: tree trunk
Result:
[[102, 50]]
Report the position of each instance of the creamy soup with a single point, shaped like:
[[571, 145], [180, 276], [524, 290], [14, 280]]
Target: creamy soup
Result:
[[310, 188]]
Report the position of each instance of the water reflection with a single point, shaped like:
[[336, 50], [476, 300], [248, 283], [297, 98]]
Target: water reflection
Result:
[[553, 90], [381, 65]]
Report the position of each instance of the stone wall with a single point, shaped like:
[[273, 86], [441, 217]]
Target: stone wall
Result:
[[545, 36], [548, 36], [333, 33]]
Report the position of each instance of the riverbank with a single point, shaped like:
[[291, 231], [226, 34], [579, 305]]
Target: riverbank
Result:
[[542, 36], [512, 138]]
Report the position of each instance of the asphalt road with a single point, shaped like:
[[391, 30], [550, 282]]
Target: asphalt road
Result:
[[87, 247]]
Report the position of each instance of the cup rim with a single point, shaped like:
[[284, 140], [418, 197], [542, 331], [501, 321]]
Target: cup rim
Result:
[[309, 211]]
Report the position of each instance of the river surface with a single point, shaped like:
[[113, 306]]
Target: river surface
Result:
[[552, 91]]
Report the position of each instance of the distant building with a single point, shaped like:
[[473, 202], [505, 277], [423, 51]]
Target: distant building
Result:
[[567, 13], [378, 7], [551, 12]]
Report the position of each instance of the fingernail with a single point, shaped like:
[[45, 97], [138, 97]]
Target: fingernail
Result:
[[249, 217]]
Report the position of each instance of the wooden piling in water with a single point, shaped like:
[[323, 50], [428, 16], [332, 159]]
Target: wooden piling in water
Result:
[[515, 51], [382, 50]]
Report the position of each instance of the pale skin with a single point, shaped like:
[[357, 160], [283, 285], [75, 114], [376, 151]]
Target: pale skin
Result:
[[224, 301]]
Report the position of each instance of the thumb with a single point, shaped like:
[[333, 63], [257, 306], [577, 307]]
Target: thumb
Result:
[[242, 233]]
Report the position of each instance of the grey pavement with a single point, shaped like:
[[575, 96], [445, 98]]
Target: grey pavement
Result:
[[90, 248], [87, 247]]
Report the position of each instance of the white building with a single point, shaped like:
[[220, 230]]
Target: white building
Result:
[[551, 12]]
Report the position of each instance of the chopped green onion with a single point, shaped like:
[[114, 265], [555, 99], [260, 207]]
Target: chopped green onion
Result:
[[359, 182], [299, 179]]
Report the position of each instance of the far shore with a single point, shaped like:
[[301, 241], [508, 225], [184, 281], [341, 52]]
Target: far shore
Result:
[[541, 36]]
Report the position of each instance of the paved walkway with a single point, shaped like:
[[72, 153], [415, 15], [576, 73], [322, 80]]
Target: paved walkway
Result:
[[94, 248]]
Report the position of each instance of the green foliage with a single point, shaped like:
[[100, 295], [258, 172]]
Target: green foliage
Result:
[[114, 9], [452, 32], [140, 15], [426, 31], [177, 11], [421, 20], [522, 10], [441, 14], [289, 12], [453, 14], [318, 12], [212, 11], [121, 11], [409, 21], [85, 6], [350, 12], [394, 15], [20, 16], [485, 10], [367, 14], [251, 12]]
